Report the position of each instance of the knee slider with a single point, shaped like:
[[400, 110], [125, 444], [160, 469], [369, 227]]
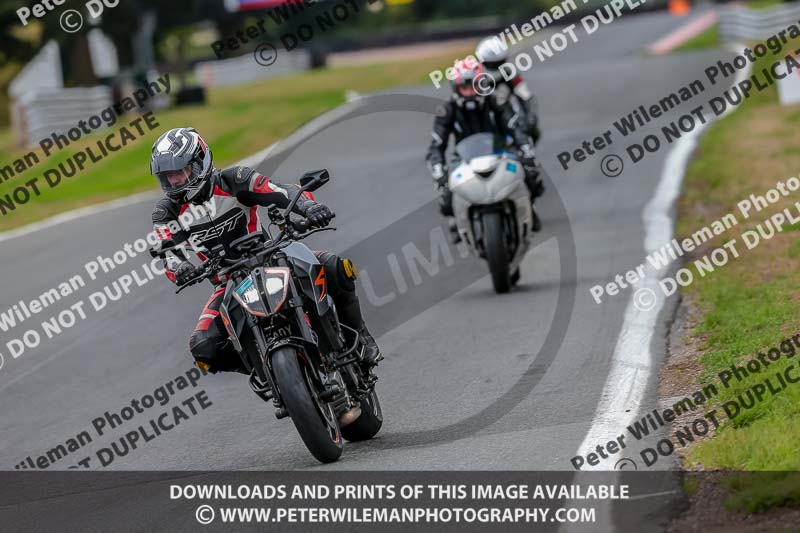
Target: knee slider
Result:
[[203, 347], [341, 273], [327, 259], [348, 274]]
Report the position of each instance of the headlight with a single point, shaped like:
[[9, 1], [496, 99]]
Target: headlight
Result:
[[274, 286]]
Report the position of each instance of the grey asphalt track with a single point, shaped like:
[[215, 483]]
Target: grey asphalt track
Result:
[[468, 355]]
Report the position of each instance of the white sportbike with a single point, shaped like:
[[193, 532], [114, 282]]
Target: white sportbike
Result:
[[492, 207]]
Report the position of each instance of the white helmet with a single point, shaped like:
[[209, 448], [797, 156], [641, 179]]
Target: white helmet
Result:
[[182, 162], [492, 52]]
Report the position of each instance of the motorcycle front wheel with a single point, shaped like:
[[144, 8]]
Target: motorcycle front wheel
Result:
[[496, 252], [314, 419]]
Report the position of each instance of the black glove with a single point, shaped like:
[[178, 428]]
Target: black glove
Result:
[[317, 214], [185, 272]]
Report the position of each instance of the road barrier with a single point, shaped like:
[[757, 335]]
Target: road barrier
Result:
[[739, 22], [245, 69], [37, 114]]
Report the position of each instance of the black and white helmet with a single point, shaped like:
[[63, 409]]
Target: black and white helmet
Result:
[[182, 162], [492, 52]]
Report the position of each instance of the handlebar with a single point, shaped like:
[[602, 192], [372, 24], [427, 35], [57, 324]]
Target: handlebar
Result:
[[211, 268], [300, 225], [303, 225], [203, 272], [293, 230]]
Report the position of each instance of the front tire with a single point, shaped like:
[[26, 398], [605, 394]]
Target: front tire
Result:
[[369, 423], [496, 252], [314, 419]]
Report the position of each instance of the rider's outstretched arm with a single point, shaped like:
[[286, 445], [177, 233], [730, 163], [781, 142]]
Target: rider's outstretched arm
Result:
[[510, 116], [170, 233], [442, 128], [251, 188], [523, 92]]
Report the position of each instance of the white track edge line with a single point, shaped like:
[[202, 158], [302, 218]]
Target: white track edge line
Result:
[[632, 361]]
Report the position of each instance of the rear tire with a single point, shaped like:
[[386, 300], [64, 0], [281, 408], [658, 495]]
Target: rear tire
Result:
[[314, 419], [369, 423], [496, 252]]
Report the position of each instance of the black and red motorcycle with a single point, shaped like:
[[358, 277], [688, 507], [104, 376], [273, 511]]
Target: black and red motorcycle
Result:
[[282, 322]]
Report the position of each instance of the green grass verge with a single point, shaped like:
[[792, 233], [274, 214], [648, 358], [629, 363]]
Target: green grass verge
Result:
[[758, 492], [749, 305], [236, 122], [764, 4], [709, 38]]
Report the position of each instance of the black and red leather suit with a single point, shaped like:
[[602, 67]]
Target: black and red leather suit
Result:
[[528, 102], [236, 193]]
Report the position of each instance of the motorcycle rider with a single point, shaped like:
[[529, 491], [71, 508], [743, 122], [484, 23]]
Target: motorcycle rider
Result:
[[468, 112], [182, 162], [492, 54]]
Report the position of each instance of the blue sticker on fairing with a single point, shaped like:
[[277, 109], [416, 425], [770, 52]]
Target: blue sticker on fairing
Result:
[[511, 167]]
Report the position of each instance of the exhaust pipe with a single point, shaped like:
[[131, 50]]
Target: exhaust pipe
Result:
[[350, 416]]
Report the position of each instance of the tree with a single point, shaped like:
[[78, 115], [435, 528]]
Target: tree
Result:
[[12, 48]]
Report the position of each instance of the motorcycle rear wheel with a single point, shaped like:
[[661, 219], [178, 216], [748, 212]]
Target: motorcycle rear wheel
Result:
[[314, 419], [369, 423]]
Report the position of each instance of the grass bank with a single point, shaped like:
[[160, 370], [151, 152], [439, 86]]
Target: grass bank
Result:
[[236, 122], [751, 304], [709, 38]]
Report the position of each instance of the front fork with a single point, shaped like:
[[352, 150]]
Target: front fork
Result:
[[332, 386]]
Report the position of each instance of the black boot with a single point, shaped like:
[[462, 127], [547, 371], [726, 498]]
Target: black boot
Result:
[[534, 182], [455, 236], [370, 353], [215, 354], [535, 189], [539, 188], [350, 315], [222, 366]]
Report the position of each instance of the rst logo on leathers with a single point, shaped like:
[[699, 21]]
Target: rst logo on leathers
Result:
[[227, 223]]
